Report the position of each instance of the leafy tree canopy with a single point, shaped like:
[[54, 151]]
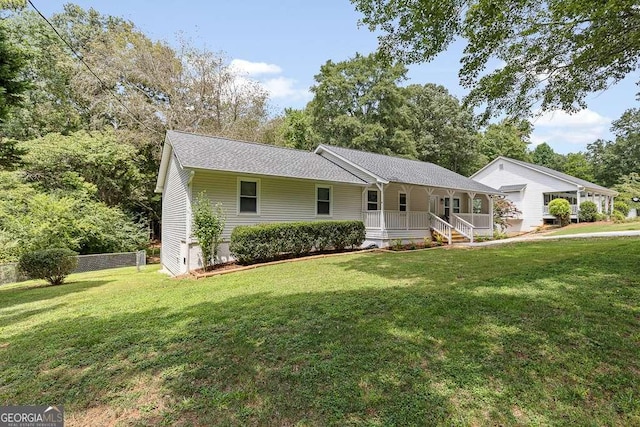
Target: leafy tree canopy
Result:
[[518, 53], [357, 104], [544, 155], [12, 83], [508, 138], [100, 159], [613, 159]]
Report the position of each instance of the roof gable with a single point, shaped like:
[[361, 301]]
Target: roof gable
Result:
[[550, 172]]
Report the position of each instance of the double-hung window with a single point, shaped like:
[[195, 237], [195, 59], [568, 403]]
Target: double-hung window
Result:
[[402, 202], [248, 196], [372, 200], [323, 200]]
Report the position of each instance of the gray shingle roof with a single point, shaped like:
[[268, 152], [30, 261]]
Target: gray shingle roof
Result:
[[512, 188], [397, 169], [560, 175], [215, 153]]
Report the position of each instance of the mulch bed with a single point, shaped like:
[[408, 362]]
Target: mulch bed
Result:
[[233, 266]]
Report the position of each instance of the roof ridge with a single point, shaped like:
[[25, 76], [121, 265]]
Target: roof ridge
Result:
[[264, 144], [557, 173], [385, 155]]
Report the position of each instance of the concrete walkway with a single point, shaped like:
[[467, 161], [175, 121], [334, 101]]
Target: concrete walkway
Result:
[[630, 233]]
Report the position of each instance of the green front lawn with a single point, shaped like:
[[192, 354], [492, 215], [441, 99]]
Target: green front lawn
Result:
[[596, 228], [531, 333]]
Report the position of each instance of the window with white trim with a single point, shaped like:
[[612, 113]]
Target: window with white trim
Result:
[[402, 202], [372, 200], [323, 200], [248, 196]]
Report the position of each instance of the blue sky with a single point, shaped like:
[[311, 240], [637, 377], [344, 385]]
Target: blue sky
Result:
[[283, 43]]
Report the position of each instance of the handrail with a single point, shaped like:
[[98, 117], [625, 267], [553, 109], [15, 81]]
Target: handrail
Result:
[[463, 227], [441, 227]]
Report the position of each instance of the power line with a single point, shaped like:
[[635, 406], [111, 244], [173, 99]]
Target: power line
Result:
[[79, 58]]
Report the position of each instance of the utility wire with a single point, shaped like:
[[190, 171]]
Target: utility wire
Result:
[[79, 58]]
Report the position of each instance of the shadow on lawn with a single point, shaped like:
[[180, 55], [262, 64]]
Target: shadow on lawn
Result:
[[40, 292], [415, 355]]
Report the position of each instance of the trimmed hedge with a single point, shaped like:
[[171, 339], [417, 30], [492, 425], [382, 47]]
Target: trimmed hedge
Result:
[[255, 243]]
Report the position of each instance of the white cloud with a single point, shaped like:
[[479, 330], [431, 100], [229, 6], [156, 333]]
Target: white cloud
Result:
[[272, 79], [570, 132], [254, 68], [284, 87]]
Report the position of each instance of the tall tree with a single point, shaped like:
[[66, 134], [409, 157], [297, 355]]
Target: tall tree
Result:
[[12, 83], [554, 52], [613, 159], [443, 130], [577, 164], [544, 155], [357, 104], [509, 138]]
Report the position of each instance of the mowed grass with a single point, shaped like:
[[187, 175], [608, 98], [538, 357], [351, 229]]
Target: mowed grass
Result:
[[541, 333], [597, 228]]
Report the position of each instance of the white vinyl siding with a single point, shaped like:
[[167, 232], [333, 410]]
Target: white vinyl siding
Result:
[[174, 217], [281, 199], [531, 200]]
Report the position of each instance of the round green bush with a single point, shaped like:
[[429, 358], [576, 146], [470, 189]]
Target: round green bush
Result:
[[588, 211], [621, 207], [618, 217], [53, 264], [561, 209]]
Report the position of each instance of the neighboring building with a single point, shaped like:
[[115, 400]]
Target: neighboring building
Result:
[[531, 187], [256, 183]]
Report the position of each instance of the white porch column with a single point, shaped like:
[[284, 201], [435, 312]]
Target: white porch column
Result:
[[471, 197], [578, 202], [429, 192], [490, 199], [600, 203], [381, 188], [607, 204]]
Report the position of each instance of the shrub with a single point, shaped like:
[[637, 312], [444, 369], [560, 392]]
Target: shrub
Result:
[[621, 207], [588, 211], [561, 209], [53, 265], [208, 224], [255, 243], [618, 216], [601, 217]]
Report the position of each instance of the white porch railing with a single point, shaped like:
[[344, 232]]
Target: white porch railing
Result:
[[441, 227], [462, 227], [396, 220], [477, 220], [371, 219], [574, 210]]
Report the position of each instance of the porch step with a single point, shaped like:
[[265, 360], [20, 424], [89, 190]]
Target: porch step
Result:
[[458, 238]]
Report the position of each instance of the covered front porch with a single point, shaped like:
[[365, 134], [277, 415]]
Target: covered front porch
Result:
[[604, 202], [406, 212]]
